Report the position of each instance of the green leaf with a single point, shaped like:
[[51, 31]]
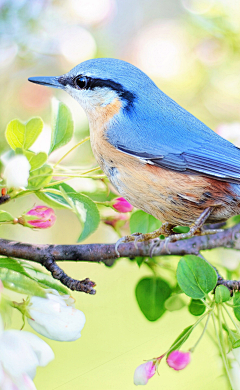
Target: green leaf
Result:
[[196, 307], [174, 303], [236, 344], [56, 200], [23, 135], [36, 160], [195, 276], [40, 177], [222, 294], [141, 222], [20, 283], [5, 216], [180, 340], [9, 263], [151, 294], [139, 260], [236, 305], [181, 229], [86, 211], [62, 131], [15, 133], [33, 128]]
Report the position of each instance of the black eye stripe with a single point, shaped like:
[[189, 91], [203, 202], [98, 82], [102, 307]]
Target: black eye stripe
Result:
[[92, 83]]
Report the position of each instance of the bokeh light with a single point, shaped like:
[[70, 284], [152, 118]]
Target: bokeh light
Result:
[[230, 131], [77, 44], [160, 49], [198, 6], [34, 97], [91, 12]]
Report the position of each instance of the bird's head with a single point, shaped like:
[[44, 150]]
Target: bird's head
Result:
[[97, 83]]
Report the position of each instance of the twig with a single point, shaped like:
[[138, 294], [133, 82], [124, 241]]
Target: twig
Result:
[[85, 285]]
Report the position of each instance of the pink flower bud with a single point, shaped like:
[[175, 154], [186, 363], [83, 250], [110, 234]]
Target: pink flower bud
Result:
[[43, 217], [178, 360], [144, 372], [122, 205], [119, 220]]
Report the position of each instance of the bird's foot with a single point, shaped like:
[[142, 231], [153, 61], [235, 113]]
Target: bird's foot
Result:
[[165, 229], [195, 229]]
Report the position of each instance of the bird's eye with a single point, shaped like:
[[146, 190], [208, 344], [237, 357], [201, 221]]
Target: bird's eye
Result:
[[81, 82]]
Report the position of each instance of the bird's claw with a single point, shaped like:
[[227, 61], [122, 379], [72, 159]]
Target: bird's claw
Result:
[[120, 241], [134, 237], [155, 244], [161, 244]]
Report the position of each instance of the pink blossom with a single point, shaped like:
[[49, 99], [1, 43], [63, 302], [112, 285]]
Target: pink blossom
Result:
[[44, 217], [178, 360], [144, 372], [122, 205]]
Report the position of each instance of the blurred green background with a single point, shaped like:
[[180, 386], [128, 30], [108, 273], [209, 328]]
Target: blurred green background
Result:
[[191, 48]]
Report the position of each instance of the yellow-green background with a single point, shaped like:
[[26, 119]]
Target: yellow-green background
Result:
[[191, 50]]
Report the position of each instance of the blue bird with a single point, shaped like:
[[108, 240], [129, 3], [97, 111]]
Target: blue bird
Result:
[[157, 155]]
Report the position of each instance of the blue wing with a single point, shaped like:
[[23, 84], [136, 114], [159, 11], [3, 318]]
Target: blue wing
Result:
[[162, 133]]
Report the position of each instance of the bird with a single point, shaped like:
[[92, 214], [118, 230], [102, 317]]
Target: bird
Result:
[[157, 155]]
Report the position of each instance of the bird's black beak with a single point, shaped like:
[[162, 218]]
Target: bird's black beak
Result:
[[47, 81]]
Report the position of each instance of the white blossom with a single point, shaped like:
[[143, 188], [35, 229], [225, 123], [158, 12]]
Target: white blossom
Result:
[[20, 354], [56, 317], [16, 172]]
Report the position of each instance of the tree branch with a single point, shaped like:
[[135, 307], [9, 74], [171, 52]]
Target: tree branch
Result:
[[47, 255], [229, 238]]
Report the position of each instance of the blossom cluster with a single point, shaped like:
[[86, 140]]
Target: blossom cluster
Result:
[[21, 352], [177, 360]]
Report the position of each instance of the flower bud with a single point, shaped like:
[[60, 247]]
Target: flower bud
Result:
[[178, 360], [16, 172], [122, 205], [144, 372], [56, 317], [118, 221], [42, 217]]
